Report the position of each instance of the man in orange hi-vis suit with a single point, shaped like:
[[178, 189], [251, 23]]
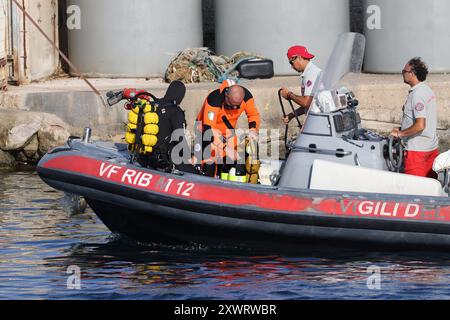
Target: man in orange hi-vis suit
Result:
[[219, 114]]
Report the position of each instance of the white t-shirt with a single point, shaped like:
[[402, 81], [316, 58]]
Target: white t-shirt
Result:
[[309, 80], [421, 103]]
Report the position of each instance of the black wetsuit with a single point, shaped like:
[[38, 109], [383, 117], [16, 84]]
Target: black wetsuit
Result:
[[171, 118]]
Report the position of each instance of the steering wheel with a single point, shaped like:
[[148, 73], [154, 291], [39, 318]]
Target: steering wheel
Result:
[[395, 157], [283, 109]]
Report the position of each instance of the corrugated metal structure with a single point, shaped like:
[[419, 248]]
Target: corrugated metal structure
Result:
[[408, 28], [123, 38], [42, 60], [3, 44], [28, 54], [270, 27]]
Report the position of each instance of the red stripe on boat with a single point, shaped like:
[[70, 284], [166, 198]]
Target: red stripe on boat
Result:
[[141, 179]]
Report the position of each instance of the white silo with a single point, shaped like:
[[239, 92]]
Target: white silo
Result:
[[270, 27], [398, 30], [133, 38]]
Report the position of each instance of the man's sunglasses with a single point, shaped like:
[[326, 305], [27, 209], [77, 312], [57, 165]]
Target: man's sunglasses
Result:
[[291, 61], [406, 71]]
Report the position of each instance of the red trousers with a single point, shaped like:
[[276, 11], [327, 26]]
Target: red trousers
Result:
[[421, 163]]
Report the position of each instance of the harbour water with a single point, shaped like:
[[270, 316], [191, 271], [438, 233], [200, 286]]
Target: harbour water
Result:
[[43, 245]]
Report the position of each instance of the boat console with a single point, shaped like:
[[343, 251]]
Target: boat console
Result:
[[333, 132], [334, 152]]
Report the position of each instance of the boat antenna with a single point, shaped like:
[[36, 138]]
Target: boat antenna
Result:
[[74, 68]]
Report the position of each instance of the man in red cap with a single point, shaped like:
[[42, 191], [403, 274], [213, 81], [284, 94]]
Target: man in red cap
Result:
[[300, 60]]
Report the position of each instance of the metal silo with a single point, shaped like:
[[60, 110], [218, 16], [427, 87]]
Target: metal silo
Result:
[[407, 29], [270, 27], [131, 38]]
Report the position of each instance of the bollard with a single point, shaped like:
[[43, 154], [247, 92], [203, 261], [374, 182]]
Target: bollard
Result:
[[87, 135]]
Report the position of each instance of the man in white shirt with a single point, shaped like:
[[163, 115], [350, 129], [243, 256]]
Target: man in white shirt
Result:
[[419, 125], [300, 60]]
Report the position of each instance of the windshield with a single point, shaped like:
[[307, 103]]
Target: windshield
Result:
[[347, 57]]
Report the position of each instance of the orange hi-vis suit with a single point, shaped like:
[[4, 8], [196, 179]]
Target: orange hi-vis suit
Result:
[[216, 117]]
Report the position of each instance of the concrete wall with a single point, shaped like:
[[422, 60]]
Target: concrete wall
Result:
[[381, 99]]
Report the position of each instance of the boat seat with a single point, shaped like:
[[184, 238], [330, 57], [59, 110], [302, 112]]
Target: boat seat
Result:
[[333, 176], [442, 165], [442, 162]]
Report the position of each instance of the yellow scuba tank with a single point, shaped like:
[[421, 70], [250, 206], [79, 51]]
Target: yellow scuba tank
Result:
[[149, 140], [252, 163], [151, 118], [151, 129], [148, 149], [132, 117], [130, 138], [131, 127], [130, 135], [253, 178]]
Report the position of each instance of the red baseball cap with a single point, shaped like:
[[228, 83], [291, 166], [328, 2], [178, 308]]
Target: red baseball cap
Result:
[[299, 51]]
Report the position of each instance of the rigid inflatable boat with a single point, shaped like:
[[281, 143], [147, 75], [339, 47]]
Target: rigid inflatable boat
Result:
[[339, 186]]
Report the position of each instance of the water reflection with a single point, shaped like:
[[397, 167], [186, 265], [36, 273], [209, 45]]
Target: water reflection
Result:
[[192, 273], [39, 240]]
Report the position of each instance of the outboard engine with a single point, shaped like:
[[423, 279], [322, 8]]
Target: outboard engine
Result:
[[332, 132]]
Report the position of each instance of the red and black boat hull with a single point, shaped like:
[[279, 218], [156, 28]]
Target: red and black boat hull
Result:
[[153, 206]]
